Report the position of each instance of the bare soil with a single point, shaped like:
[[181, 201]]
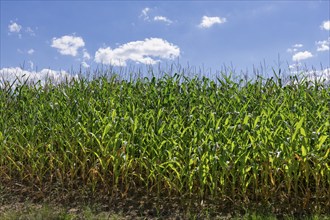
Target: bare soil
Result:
[[139, 205]]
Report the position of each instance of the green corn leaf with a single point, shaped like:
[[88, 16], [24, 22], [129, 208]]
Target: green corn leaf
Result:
[[227, 121], [97, 140], [161, 129], [246, 120], [247, 169], [113, 115], [106, 130], [302, 132], [326, 154], [299, 124], [303, 151], [256, 122], [322, 139], [297, 128]]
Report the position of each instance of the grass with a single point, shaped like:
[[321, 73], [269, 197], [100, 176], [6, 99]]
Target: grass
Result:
[[45, 212], [258, 144]]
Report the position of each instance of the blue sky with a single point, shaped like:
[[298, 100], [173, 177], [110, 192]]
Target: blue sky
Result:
[[64, 35]]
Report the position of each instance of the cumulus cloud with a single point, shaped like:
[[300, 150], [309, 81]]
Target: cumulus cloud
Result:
[[31, 51], [302, 56], [30, 31], [31, 64], [295, 66], [68, 45], [14, 27], [323, 75], [138, 51], [294, 48], [144, 13], [208, 22], [291, 50], [325, 25], [320, 76], [16, 76], [323, 45], [86, 55], [298, 45], [162, 19], [84, 64]]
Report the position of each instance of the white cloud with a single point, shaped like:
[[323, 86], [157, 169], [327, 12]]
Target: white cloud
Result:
[[325, 25], [14, 27], [144, 13], [294, 48], [86, 55], [298, 45], [31, 64], [163, 19], [31, 51], [30, 31], [68, 45], [320, 76], [138, 51], [295, 66], [16, 76], [324, 75], [208, 22], [291, 50], [302, 56], [84, 64], [323, 45]]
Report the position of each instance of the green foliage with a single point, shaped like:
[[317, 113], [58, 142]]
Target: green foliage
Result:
[[173, 135]]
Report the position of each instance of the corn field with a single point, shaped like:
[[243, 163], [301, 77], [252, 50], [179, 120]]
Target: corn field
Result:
[[260, 140]]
